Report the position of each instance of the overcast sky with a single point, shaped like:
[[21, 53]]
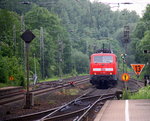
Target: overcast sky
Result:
[[138, 5]]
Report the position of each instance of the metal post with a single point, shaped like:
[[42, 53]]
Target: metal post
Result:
[[23, 44], [28, 36], [123, 66], [126, 41], [29, 96], [27, 68], [27, 65], [34, 65], [125, 57], [103, 47], [14, 38], [42, 51]]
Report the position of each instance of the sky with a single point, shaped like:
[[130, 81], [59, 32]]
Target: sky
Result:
[[138, 5]]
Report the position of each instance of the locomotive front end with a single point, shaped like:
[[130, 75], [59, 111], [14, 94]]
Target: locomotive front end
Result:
[[103, 69]]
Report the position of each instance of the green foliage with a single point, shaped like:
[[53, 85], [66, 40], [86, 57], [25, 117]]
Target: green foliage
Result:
[[80, 62], [40, 17], [143, 93], [9, 52], [53, 33], [144, 44], [15, 5], [4, 85], [3, 71], [72, 31], [125, 94], [74, 72], [10, 30], [11, 67], [146, 16], [142, 35], [140, 29]]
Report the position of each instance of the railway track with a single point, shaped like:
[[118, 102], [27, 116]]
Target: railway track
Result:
[[75, 110], [50, 86], [134, 85], [46, 87], [83, 102]]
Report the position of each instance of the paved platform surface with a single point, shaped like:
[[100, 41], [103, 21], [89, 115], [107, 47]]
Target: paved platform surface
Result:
[[125, 110]]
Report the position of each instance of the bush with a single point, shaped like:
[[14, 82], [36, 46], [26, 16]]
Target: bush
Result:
[[11, 67], [143, 93], [3, 71], [125, 94]]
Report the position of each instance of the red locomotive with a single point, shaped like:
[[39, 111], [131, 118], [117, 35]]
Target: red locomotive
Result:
[[103, 69]]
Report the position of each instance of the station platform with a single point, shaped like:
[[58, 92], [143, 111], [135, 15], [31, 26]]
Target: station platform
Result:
[[125, 110]]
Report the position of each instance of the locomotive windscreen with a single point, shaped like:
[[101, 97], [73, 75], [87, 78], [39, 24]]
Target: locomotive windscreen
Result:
[[103, 59]]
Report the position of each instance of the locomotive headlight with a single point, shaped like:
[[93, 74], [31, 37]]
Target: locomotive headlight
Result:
[[96, 69], [109, 69], [110, 73]]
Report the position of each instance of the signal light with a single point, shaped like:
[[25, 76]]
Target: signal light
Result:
[[146, 51], [123, 56]]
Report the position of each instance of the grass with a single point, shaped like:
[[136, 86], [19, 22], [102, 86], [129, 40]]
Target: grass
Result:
[[4, 85], [143, 93], [70, 91], [57, 78], [51, 102]]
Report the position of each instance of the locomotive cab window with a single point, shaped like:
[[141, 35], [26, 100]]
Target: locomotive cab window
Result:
[[103, 59]]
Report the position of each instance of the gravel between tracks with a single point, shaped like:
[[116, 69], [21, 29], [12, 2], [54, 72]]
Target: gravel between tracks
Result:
[[44, 102]]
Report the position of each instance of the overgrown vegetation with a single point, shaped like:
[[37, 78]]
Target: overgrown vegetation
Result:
[[141, 42], [143, 93]]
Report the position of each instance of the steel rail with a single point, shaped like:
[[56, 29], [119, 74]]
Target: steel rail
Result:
[[54, 115], [67, 115], [76, 113], [10, 95], [139, 83], [38, 115], [32, 116], [90, 108], [65, 105], [39, 92]]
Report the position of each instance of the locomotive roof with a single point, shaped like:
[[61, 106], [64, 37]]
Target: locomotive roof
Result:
[[103, 54], [104, 50]]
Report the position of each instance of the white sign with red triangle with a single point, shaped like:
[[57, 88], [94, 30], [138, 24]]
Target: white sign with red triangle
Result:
[[137, 68]]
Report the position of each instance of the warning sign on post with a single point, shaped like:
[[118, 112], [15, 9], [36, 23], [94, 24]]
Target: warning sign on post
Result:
[[125, 77], [137, 68], [11, 78]]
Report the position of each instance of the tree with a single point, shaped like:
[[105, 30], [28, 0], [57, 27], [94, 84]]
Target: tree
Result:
[[9, 35], [142, 35], [10, 63], [80, 62], [53, 34]]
